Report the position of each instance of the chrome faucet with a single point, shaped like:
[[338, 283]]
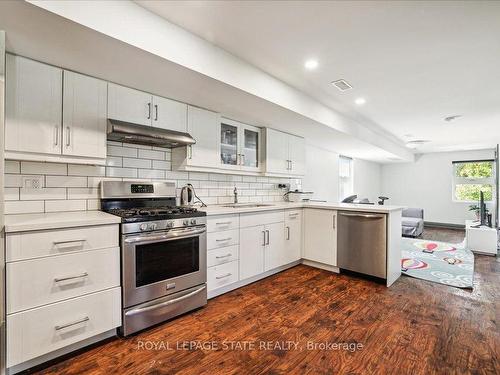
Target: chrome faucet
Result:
[[235, 195]]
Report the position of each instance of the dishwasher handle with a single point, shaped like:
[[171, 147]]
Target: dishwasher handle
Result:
[[366, 216]]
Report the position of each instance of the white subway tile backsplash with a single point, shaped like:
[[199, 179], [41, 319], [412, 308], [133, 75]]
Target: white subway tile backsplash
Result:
[[151, 154], [42, 194], [122, 151], [23, 207], [114, 161], [70, 187], [83, 193], [133, 145], [136, 163], [11, 194], [67, 205], [162, 164], [33, 167], [121, 172], [151, 173], [86, 170], [12, 166], [65, 181]]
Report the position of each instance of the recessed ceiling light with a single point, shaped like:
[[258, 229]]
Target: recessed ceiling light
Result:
[[451, 118], [311, 64], [416, 143], [360, 101]]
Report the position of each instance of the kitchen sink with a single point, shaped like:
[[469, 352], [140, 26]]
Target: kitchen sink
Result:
[[247, 205]]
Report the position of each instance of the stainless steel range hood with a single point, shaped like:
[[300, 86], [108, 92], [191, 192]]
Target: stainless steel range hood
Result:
[[146, 135]]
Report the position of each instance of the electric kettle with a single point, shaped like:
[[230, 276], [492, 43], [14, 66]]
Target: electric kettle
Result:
[[187, 195]]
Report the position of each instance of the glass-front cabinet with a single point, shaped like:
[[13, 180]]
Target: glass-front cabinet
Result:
[[239, 146]]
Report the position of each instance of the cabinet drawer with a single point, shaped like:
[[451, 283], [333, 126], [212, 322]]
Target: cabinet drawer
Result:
[[224, 274], [261, 218], [222, 239], [42, 330], [293, 215], [222, 222], [222, 255], [36, 282], [26, 245]]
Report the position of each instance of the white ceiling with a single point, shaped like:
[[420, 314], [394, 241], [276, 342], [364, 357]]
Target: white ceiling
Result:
[[415, 62]]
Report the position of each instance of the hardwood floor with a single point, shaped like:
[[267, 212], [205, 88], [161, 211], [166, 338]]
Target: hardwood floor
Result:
[[443, 234], [414, 327]]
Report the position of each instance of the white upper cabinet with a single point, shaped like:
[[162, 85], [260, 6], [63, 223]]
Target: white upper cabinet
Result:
[[203, 127], [276, 152], [84, 116], [240, 146], [33, 106], [129, 105], [285, 153], [169, 114], [297, 155]]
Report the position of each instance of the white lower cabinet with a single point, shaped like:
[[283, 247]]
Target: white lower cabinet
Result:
[[275, 251], [222, 255], [293, 235], [62, 287], [224, 274], [320, 236], [39, 282], [252, 244], [39, 331]]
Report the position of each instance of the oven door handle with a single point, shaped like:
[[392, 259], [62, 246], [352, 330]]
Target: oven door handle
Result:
[[166, 303], [175, 234]]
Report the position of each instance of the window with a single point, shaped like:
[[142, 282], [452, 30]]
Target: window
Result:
[[345, 177], [472, 177]]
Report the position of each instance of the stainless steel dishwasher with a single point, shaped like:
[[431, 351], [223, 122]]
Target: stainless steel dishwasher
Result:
[[362, 242]]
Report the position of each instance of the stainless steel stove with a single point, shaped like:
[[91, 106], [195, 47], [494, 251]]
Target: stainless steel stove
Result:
[[163, 252]]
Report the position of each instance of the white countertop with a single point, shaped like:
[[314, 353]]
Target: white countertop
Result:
[[55, 220], [221, 210]]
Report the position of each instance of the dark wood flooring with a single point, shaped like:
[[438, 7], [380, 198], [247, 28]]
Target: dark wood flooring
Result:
[[414, 327], [443, 234]]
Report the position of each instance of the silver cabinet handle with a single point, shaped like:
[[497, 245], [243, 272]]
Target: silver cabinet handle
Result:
[[288, 233], [224, 239], [149, 111], [334, 217], [68, 241], [59, 279], [242, 159], [223, 276], [267, 243], [56, 135], [294, 214], [156, 112], [223, 256], [66, 325], [224, 223], [367, 216], [264, 233], [68, 136], [190, 152]]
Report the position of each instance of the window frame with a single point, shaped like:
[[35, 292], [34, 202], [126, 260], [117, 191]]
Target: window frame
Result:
[[349, 179], [473, 181]]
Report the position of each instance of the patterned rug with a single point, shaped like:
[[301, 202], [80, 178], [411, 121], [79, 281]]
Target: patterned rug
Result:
[[440, 262]]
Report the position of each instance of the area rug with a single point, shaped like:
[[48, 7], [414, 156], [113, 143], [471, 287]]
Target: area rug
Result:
[[440, 262]]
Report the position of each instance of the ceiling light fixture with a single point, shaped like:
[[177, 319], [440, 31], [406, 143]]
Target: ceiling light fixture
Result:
[[311, 64], [416, 143], [360, 101]]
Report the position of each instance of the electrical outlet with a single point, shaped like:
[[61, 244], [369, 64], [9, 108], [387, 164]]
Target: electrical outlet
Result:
[[33, 182]]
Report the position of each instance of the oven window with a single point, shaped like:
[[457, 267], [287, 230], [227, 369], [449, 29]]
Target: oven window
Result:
[[165, 260]]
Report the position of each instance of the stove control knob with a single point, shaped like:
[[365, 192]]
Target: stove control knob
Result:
[[153, 226], [170, 224], [193, 221], [185, 222], [143, 227]]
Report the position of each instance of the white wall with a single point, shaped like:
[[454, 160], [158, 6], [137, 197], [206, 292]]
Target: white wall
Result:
[[427, 184], [322, 176], [367, 179]]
